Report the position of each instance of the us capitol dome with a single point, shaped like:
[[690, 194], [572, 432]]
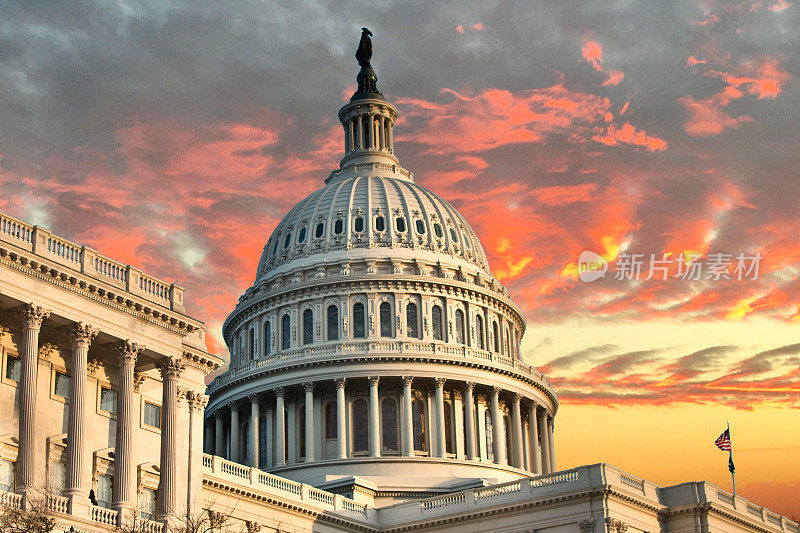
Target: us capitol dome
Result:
[[375, 352]]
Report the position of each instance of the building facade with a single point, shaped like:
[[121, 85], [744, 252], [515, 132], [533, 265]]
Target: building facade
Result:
[[375, 384]]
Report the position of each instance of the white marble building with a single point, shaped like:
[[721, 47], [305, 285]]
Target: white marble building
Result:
[[375, 383]]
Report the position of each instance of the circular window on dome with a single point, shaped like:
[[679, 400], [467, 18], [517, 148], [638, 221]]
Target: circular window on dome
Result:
[[338, 227], [437, 229], [302, 236], [453, 235], [358, 226], [319, 231], [400, 224], [420, 226], [286, 241], [380, 224]]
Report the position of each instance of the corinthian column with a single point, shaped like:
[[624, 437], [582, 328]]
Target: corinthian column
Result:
[[171, 369], [408, 431], [123, 449], [219, 434], [236, 431], [280, 428], [550, 423], [516, 431], [469, 420], [341, 427], [374, 418], [310, 437], [440, 436], [32, 317], [498, 435], [536, 454], [80, 337], [254, 431], [547, 465]]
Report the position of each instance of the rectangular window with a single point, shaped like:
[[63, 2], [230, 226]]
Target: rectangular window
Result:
[[103, 495], [61, 385], [108, 400], [6, 476], [58, 478], [13, 368], [152, 415], [147, 505]]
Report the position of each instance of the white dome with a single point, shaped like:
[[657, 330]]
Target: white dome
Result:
[[360, 214]]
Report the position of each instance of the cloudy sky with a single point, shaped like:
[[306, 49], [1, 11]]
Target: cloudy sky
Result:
[[175, 135]]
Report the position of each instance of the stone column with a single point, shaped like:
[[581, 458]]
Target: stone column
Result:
[[236, 433], [458, 426], [80, 337], [124, 467], [440, 436], [341, 427], [516, 431], [547, 466], [371, 130], [536, 454], [390, 140], [254, 431], [550, 423], [498, 435], [381, 133], [171, 368], [280, 428], [197, 403], [360, 134], [208, 446], [469, 420], [374, 418], [219, 434], [32, 317], [310, 438], [350, 128], [408, 431]]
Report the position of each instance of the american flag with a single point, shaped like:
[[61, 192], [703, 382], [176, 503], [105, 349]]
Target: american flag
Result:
[[724, 441]]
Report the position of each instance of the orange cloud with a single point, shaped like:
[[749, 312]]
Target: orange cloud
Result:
[[627, 134], [592, 52]]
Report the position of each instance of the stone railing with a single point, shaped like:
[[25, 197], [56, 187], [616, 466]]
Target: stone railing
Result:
[[10, 499], [337, 349], [150, 526], [89, 262], [753, 511], [354, 168], [221, 469], [58, 504], [103, 516]]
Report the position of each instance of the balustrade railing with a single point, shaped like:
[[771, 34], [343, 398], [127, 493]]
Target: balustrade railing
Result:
[[58, 504], [11, 499], [103, 515]]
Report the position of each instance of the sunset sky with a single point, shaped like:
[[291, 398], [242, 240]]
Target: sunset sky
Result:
[[175, 135]]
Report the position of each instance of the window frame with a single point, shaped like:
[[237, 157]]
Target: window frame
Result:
[[7, 354], [143, 423], [332, 323], [54, 374], [388, 330], [361, 324], [308, 326], [100, 411]]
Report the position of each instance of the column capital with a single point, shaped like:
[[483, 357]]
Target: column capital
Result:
[[440, 383], [138, 379], [234, 406], [373, 380], [517, 397], [81, 335], [32, 316], [280, 392], [171, 367], [496, 390], [308, 386], [197, 400], [128, 351], [469, 385], [407, 380], [254, 398], [340, 382], [219, 415]]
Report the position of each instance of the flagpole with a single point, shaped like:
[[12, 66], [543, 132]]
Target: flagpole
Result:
[[730, 458]]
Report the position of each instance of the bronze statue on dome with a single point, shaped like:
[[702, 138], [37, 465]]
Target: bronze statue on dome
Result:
[[364, 52]]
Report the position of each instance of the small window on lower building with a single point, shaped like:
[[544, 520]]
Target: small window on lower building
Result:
[[152, 415], [57, 478], [103, 492], [108, 400], [61, 385], [147, 504], [13, 368], [6, 476]]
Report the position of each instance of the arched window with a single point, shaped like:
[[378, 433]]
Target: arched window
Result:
[[496, 335], [448, 429], [400, 224], [459, 326], [418, 421], [245, 440], [358, 226], [436, 322], [308, 326], [301, 237], [286, 332], [330, 420], [380, 224], [489, 436], [420, 226], [389, 423], [338, 227], [267, 337], [318, 232], [287, 240], [359, 327], [301, 429], [253, 354], [386, 319], [333, 322], [479, 331], [412, 322], [360, 435], [437, 229], [263, 461]]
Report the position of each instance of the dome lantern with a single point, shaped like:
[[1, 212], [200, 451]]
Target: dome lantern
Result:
[[368, 119]]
